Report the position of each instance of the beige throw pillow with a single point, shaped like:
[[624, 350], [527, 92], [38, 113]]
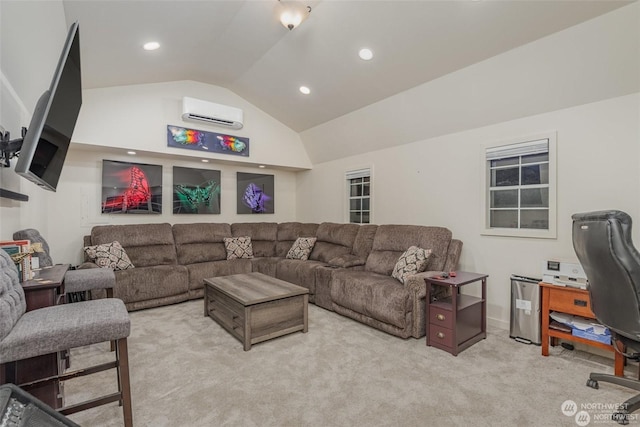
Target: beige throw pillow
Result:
[[412, 261], [301, 248], [238, 247], [110, 255]]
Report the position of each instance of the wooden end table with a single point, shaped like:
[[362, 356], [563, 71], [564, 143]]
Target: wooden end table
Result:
[[457, 321]]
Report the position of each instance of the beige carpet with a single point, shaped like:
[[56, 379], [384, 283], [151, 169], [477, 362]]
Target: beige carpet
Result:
[[187, 371]]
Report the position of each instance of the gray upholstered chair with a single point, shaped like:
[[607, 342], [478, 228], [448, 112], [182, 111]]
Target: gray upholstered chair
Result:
[[81, 280], [27, 334]]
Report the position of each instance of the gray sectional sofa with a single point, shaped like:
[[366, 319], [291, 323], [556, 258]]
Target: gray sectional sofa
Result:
[[348, 270]]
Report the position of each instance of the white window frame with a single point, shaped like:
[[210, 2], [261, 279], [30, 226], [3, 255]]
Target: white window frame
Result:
[[352, 174], [551, 232]]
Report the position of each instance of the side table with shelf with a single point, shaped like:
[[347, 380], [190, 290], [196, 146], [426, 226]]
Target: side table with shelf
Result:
[[573, 301], [458, 321]]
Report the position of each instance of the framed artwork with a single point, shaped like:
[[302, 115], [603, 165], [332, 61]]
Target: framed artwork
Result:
[[131, 188], [196, 191], [193, 139], [255, 193]]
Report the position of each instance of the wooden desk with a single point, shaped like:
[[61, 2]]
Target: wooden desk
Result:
[[571, 301], [42, 291], [459, 321]]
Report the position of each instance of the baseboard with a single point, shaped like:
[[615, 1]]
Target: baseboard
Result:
[[498, 324]]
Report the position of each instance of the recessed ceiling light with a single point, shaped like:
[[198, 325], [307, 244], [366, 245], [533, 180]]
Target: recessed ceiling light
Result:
[[205, 161], [305, 90], [133, 153], [365, 54], [151, 46], [261, 166]]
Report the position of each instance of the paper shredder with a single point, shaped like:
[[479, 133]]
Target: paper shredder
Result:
[[525, 310]]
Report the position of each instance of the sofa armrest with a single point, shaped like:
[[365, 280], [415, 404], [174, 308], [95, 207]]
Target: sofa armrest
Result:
[[87, 264], [418, 288], [347, 260]]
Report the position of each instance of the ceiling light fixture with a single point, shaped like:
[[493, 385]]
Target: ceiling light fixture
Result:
[[292, 13], [305, 90], [131, 153], [151, 46], [365, 54], [204, 160]]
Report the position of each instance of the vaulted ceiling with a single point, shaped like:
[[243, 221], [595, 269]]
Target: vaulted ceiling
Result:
[[240, 45]]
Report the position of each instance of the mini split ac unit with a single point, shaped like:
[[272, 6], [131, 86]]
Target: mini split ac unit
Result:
[[196, 110]]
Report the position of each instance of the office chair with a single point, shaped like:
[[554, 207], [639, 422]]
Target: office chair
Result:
[[28, 334], [602, 241]]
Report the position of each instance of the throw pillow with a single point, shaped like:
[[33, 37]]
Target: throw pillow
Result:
[[412, 261], [238, 247], [110, 255], [301, 248]]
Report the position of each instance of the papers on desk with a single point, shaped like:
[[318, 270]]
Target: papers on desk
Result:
[[583, 327]]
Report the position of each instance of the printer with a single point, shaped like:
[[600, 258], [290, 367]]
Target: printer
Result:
[[562, 273]]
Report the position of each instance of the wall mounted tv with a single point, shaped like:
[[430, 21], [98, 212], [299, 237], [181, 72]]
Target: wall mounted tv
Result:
[[48, 136]]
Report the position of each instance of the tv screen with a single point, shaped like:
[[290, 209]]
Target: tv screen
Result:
[[46, 142]]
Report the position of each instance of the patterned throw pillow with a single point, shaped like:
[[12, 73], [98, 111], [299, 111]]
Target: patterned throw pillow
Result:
[[412, 261], [238, 247], [301, 248], [111, 255]]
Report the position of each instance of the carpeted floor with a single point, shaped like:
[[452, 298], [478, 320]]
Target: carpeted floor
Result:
[[188, 371]]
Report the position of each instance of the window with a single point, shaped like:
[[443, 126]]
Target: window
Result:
[[359, 196], [520, 188]]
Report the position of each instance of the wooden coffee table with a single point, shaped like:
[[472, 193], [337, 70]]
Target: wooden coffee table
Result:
[[255, 307]]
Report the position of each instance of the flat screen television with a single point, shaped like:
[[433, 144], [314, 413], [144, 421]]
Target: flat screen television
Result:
[[48, 136]]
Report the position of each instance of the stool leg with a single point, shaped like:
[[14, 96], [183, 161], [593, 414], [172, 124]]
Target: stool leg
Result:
[[122, 355]]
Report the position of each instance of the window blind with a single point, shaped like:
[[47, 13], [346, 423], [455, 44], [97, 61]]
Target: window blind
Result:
[[519, 149], [360, 173]]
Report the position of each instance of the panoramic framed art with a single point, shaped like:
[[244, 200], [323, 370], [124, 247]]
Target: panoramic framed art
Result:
[[193, 139], [255, 193], [196, 191], [131, 188]]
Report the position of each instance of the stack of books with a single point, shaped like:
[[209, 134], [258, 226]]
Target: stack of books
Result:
[[20, 252]]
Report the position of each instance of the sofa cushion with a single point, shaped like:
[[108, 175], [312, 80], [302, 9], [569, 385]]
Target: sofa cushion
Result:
[[238, 247], [412, 261], [146, 244], [333, 241], [200, 242], [263, 236], [301, 273], [391, 241], [149, 283], [205, 270], [301, 248], [378, 296], [110, 255]]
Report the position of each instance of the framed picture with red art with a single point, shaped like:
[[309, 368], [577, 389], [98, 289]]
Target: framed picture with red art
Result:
[[131, 188]]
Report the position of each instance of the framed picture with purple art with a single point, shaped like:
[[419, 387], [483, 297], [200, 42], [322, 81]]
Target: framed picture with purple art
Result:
[[131, 188], [255, 193], [196, 191]]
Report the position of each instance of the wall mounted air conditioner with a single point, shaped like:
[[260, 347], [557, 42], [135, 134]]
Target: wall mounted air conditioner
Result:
[[196, 110]]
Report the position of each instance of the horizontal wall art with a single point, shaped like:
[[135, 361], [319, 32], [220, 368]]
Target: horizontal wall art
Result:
[[192, 139], [196, 191], [255, 193], [131, 188]]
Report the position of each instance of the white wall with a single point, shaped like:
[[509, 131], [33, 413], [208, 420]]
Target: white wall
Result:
[[136, 117], [79, 195], [31, 36], [437, 182]]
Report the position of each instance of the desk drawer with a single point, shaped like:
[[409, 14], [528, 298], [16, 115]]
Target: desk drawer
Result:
[[440, 335], [440, 317], [570, 301]]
